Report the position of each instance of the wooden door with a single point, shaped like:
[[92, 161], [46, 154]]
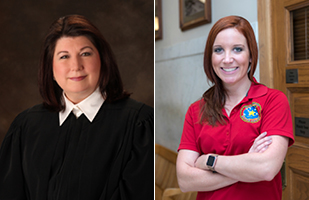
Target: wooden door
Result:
[[281, 70]]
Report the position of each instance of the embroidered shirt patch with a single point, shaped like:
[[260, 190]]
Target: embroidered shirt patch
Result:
[[251, 113]]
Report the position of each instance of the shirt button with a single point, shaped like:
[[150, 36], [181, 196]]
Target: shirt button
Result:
[[227, 132]]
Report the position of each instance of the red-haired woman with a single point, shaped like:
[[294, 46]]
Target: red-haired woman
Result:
[[88, 140], [235, 138]]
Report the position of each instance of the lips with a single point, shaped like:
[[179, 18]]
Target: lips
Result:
[[78, 78], [229, 69]]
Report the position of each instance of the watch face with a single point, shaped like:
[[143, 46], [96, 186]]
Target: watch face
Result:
[[210, 161]]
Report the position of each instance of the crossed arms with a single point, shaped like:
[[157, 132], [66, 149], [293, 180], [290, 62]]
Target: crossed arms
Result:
[[261, 163]]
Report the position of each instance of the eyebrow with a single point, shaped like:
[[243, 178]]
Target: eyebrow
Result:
[[86, 48], [235, 45], [239, 45], [80, 50], [62, 52]]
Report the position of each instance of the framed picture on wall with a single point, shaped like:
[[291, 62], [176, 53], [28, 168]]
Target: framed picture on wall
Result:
[[193, 13], [158, 20]]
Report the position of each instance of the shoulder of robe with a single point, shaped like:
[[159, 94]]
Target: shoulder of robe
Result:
[[33, 112], [22, 118], [144, 111], [126, 103], [36, 110]]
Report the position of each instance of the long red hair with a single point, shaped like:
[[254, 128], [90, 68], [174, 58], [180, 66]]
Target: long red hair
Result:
[[215, 97]]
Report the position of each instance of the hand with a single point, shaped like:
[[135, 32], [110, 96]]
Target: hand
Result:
[[261, 143], [201, 162]]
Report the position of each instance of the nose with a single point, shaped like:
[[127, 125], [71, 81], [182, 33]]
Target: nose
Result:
[[76, 64], [228, 58]]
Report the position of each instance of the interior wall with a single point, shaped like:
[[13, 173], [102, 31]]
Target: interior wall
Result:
[[126, 25], [180, 78]]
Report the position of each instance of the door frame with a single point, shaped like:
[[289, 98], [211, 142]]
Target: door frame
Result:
[[265, 43]]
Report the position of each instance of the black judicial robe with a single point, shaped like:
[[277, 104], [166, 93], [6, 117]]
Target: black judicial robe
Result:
[[110, 158]]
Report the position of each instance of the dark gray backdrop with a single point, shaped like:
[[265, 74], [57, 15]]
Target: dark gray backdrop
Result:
[[126, 24]]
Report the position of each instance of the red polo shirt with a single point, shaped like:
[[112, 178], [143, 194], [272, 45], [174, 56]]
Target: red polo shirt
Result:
[[263, 109]]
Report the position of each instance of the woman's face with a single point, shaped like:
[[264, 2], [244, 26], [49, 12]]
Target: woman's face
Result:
[[231, 57], [76, 67]]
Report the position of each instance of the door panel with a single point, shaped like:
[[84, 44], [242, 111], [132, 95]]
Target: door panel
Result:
[[298, 171]]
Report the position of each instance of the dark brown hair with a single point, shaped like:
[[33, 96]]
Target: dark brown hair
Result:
[[110, 82], [215, 97]]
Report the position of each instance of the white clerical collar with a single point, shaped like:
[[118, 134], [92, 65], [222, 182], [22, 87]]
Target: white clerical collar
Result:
[[89, 107]]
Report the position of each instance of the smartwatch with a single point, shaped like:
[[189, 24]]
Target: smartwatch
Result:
[[211, 162]]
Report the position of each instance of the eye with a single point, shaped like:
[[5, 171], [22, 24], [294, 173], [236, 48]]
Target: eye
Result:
[[218, 50], [86, 54], [64, 57], [238, 49]]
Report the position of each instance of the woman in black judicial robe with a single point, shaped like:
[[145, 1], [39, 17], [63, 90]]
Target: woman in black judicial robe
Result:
[[108, 157]]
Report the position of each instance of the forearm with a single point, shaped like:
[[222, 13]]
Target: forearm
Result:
[[254, 167], [195, 179], [246, 167]]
